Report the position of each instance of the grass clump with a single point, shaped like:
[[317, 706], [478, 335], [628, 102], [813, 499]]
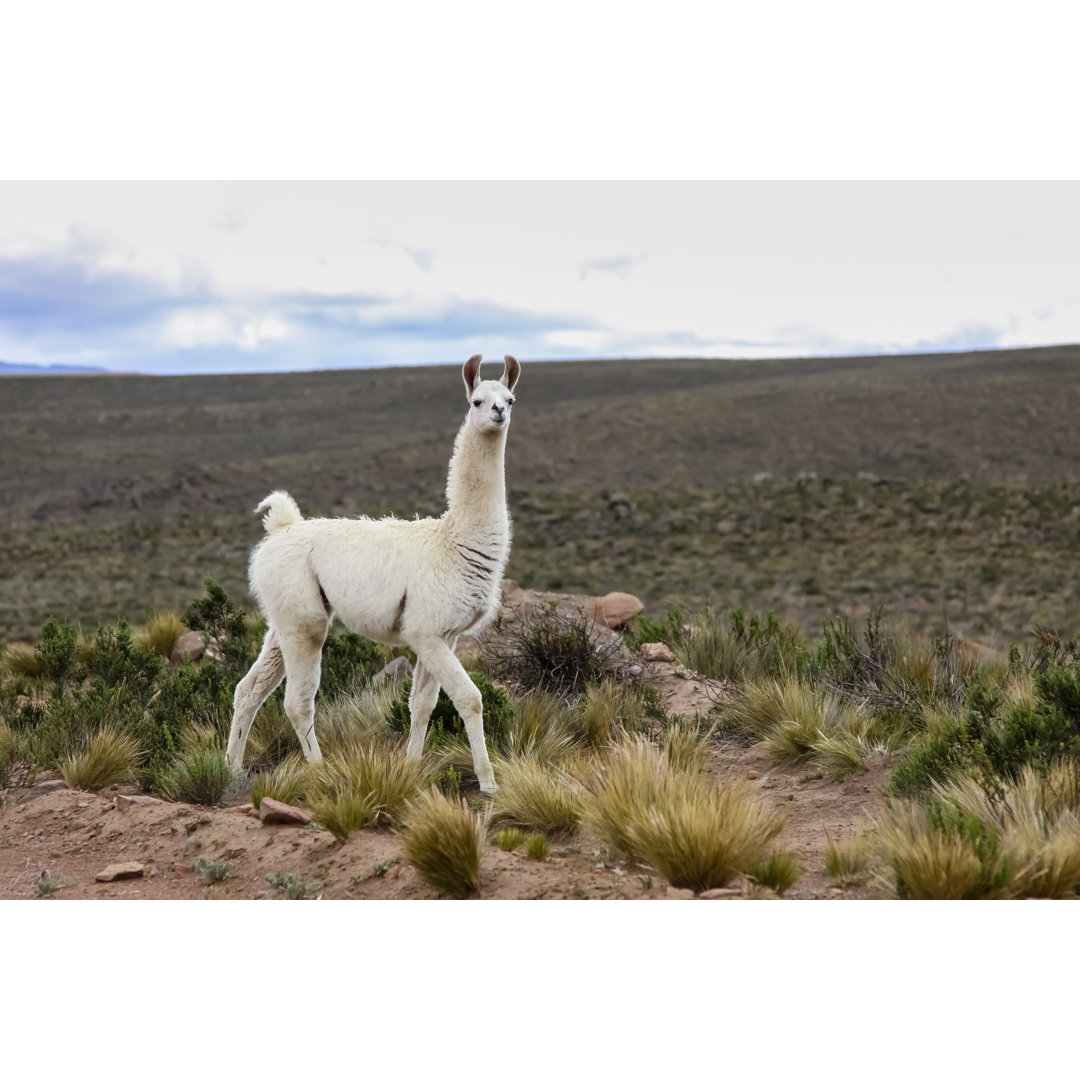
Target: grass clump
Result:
[[509, 839], [200, 775], [848, 862], [20, 658], [741, 649], [286, 783], [364, 785], [537, 847], [700, 837], [538, 796], [109, 757], [778, 871], [161, 634], [442, 840], [795, 720]]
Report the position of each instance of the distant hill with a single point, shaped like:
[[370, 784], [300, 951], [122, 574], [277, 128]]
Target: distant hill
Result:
[[46, 369]]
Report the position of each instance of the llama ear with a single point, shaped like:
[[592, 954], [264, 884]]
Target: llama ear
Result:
[[511, 372], [471, 373]]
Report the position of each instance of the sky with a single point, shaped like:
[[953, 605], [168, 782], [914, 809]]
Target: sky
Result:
[[419, 188]]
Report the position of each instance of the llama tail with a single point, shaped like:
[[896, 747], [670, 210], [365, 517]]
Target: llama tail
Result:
[[282, 511]]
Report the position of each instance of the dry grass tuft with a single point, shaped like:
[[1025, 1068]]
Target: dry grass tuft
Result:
[[286, 783], [627, 783], [443, 839], [364, 785], [848, 862], [351, 721], [932, 861], [509, 839], [794, 720], [109, 757], [537, 795], [777, 871], [700, 837], [161, 633], [21, 658], [686, 748]]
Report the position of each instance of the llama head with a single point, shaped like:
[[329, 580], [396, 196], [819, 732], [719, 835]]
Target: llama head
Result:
[[490, 399]]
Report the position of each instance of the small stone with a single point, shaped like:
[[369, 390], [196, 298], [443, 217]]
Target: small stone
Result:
[[634, 670], [120, 871], [272, 812], [719, 894], [658, 652], [678, 894]]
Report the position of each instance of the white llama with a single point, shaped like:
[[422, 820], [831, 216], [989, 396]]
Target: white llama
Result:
[[418, 583]]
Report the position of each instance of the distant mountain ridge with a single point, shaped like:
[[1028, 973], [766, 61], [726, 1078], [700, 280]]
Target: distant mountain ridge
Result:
[[46, 369]]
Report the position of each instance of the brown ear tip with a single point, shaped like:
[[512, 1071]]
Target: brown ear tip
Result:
[[476, 357]]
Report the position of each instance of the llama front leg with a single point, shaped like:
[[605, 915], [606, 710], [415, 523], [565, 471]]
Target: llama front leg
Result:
[[444, 666], [252, 690], [422, 699]]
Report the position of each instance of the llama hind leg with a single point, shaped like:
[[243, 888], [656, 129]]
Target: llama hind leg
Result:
[[254, 688], [444, 666], [422, 699], [303, 668]]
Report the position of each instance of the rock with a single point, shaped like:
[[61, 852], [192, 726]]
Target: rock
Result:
[[191, 646], [634, 670], [616, 608], [720, 894], [123, 802], [658, 652], [678, 894], [272, 812], [120, 871], [42, 789], [396, 672]]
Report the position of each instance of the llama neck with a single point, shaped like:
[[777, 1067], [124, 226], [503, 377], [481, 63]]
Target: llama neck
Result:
[[476, 486]]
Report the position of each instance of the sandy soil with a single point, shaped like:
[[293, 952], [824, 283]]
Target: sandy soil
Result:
[[68, 837]]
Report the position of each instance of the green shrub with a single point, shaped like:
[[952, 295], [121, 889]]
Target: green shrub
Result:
[[200, 775], [446, 723], [220, 620], [293, 884], [509, 839], [348, 662], [537, 847], [57, 652]]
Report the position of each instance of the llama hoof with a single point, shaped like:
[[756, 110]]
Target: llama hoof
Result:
[[489, 788]]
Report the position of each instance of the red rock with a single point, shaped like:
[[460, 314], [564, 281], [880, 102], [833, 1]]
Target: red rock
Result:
[[272, 812], [616, 608], [120, 871]]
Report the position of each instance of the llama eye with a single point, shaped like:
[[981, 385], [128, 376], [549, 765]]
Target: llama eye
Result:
[[478, 403], [511, 401]]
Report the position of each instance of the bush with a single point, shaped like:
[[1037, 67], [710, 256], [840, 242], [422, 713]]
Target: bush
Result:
[[348, 662], [446, 723], [551, 650]]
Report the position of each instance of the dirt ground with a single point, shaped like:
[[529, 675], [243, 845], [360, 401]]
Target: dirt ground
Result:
[[52, 834]]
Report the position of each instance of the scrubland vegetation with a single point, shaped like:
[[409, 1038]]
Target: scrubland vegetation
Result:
[[983, 754]]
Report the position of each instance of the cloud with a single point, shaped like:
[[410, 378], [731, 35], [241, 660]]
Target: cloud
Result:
[[619, 265]]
